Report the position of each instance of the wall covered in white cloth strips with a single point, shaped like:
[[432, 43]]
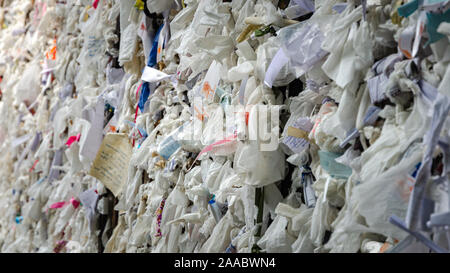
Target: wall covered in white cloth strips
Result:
[[224, 126]]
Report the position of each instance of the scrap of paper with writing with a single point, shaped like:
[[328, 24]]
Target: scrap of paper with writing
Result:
[[111, 163]]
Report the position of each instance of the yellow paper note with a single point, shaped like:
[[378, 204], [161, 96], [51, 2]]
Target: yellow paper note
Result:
[[111, 162]]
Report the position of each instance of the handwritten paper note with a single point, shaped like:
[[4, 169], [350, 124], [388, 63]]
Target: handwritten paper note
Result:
[[279, 60], [111, 163], [89, 199], [94, 136], [297, 135], [20, 140], [153, 75], [211, 81]]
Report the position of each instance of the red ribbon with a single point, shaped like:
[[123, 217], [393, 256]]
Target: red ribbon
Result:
[[95, 4], [75, 203], [34, 165], [137, 108]]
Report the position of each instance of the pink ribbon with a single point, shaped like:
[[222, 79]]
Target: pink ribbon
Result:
[[57, 205], [72, 139], [220, 142], [75, 203], [211, 146]]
